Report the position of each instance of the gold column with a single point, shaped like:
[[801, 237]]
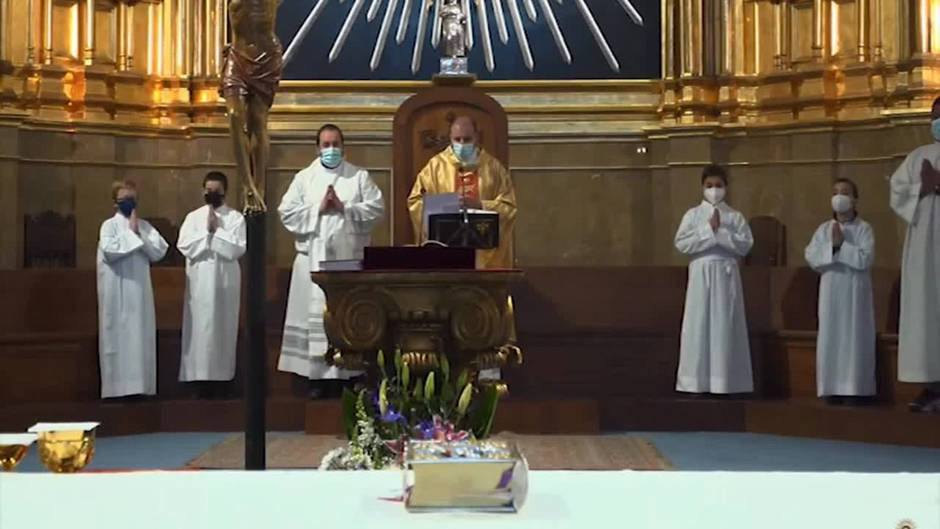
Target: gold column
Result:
[[221, 35], [727, 38], [697, 22], [157, 42], [30, 36], [878, 44], [208, 37], [778, 33], [184, 56], [129, 44], [47, 32], [169, 38], [88, 51], [738, 45], [787, 36], [122, 37], [4, 8], [714, 51], [921, 28], [820, 29], [863, 8], [198, 42], [691, 17], [152, 48], [934, 35], [685, 39], [757, 41]]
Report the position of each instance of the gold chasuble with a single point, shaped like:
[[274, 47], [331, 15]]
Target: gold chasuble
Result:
[[488, 181]]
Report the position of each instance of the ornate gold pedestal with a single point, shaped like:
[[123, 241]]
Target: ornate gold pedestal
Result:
[[463, 314]]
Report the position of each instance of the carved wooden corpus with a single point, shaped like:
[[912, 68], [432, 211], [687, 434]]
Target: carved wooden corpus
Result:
[[463, 314]]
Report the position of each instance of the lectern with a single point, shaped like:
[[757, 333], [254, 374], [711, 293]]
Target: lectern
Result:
[[424, 302], [467, 229]]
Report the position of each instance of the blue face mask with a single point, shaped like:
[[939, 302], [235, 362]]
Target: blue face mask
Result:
[[331, 157], [935, 129], [127, 206], [465, 152]]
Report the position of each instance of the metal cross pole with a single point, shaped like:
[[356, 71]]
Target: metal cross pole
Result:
[[255, 340]]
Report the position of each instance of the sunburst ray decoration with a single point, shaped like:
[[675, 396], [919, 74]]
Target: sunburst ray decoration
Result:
[[479, 11]]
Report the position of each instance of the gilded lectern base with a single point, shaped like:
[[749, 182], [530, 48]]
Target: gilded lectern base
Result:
[[464, 314]]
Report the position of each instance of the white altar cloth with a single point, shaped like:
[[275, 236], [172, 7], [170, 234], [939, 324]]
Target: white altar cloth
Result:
[[314, 500]]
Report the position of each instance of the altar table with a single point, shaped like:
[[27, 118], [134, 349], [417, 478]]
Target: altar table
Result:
[[584, 500]]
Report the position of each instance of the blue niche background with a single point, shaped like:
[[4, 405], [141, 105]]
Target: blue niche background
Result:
[[637, 48]]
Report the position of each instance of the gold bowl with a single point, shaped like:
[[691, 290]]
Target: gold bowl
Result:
[[66, 450], [13, 448]]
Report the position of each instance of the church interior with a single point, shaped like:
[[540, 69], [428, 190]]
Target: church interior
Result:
[[606, 150]]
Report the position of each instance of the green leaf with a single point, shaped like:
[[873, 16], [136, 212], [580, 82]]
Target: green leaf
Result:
[[429, 386], [445, 367], [447, 397], [349, 413], [383, 397], [463, 378], [419, 390], [380, 360], [484, 414], [464, 403]]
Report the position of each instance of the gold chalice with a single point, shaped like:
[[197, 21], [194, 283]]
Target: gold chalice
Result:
[[13, 448], [66, 447]]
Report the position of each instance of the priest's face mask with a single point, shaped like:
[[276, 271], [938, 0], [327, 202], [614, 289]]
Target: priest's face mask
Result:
[[463, 140], [331, 148]]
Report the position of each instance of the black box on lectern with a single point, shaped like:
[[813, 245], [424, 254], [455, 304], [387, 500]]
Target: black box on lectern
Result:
[[465, 230]]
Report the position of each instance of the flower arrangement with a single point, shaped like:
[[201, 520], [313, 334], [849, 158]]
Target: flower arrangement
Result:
[[437, 407]]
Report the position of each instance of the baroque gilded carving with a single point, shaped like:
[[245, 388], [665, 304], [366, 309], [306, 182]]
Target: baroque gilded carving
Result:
[[464, 315]]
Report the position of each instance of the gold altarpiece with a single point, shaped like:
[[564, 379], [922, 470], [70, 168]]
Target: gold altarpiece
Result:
[[131, 61], [757, 61], [789, 93], [727, 60]]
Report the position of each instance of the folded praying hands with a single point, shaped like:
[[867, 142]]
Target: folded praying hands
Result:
[[331, 202], [929, 179]]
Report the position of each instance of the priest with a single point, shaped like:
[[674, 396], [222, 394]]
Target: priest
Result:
[[915, 197], [127, 329], [331, 208], [482, 181], [212, 239]]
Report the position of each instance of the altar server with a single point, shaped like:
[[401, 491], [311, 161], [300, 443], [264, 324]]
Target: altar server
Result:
[[842, 250], [714, 354], [915, 186], [331, 208], [212, 238], [127, 333]]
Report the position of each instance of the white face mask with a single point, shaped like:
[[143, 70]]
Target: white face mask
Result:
[[841, 203], [714, 195]]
